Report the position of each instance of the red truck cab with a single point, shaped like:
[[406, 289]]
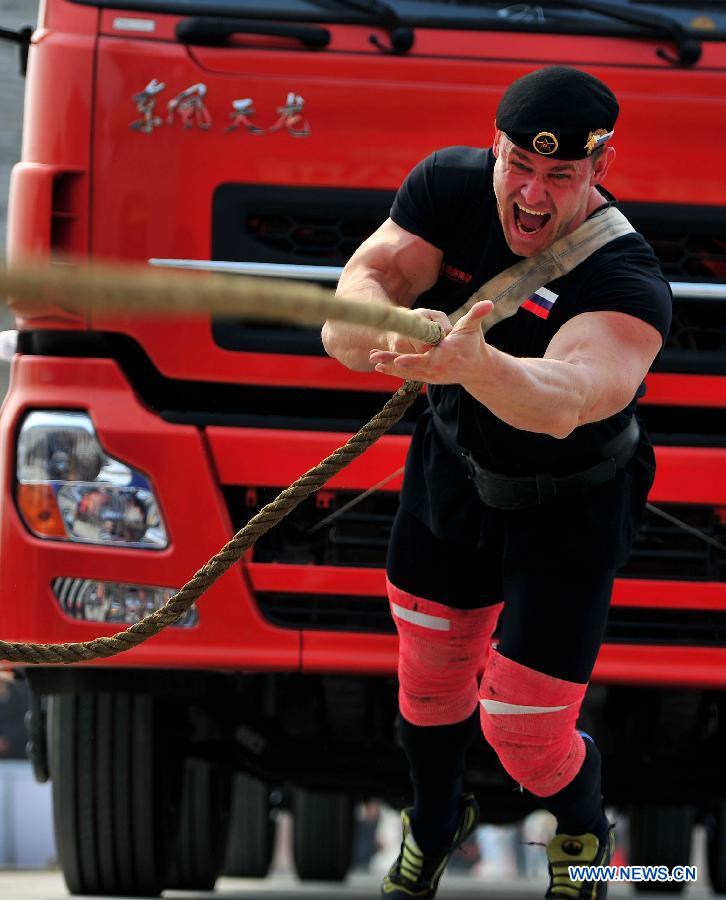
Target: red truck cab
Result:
[[270, 138]]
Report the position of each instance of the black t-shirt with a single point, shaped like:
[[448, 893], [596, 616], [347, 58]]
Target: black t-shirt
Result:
[[448, 200]]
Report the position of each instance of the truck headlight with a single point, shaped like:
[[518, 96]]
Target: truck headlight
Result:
[[68, 488]]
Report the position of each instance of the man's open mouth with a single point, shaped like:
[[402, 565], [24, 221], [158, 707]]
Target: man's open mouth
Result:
[[528, 220]]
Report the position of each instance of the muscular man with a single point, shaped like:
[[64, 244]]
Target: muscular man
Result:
[[526, 476]]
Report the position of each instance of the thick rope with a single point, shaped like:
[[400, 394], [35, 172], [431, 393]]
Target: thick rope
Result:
[[143, 291], [148, 292]]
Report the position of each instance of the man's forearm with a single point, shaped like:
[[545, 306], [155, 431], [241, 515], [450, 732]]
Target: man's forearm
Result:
[[351, 344], [591, 370], [547, 396]]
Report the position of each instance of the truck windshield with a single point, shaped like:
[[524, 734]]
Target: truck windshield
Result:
[[705, 21]]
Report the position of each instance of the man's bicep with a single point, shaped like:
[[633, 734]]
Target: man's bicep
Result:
[[614, 351], [404, 264]]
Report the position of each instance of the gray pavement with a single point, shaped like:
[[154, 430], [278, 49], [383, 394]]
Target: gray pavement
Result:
[[49, 886]]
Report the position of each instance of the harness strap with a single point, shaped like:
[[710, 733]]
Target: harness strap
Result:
[[510, 288]]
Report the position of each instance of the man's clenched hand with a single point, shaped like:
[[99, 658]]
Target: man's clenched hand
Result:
[[399, 345], [452, 361]]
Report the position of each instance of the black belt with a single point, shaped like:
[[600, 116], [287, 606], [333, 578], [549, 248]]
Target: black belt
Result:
[[522, 491]]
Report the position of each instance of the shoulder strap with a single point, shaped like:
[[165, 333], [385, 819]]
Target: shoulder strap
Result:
[[510, 288]]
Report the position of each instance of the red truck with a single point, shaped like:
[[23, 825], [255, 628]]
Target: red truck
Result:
[[269, 138]]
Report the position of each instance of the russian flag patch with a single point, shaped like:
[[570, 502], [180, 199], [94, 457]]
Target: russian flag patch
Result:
[[541, 302]]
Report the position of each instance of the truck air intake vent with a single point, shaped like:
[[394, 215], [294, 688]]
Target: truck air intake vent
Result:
[[697, 332], [306, 237], [680, 627], [332, 612], [359, 536], [271, 223], [303, 236], [689, 257], [626, 625], [323, 226]]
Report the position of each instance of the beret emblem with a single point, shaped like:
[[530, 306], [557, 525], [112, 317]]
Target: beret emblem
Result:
[[594, 139], [545, 143]]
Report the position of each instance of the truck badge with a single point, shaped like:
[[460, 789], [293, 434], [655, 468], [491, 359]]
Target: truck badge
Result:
[[190, 107], [242, 113], [545, 143], [290, 117], [145, 104]]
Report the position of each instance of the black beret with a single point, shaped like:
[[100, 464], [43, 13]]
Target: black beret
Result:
[[559, 112]]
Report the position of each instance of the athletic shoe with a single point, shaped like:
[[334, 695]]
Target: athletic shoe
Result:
[[573, 850], [417, 874]]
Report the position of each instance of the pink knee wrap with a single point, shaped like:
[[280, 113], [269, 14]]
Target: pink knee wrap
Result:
[[442, 652], [529, 719]]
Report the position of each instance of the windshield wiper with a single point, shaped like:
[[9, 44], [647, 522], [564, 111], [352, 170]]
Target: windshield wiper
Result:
[[400, 34], [687, 47]]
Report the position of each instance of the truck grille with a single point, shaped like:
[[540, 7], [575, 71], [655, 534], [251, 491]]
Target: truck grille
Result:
[[684, 426], [359, 537], [689, 257], [665, 550], [626, 625], [323, 226], [303, 237], [697, 336], [319, 226], [251, 222], [311, 237], [330, 612], [681, 627]]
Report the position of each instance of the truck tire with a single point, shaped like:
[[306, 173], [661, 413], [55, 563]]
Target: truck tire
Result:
[[322, 845], [716, 848], [203, 827], [115, 793], [252, 828], [36, 725], [661, 836]]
